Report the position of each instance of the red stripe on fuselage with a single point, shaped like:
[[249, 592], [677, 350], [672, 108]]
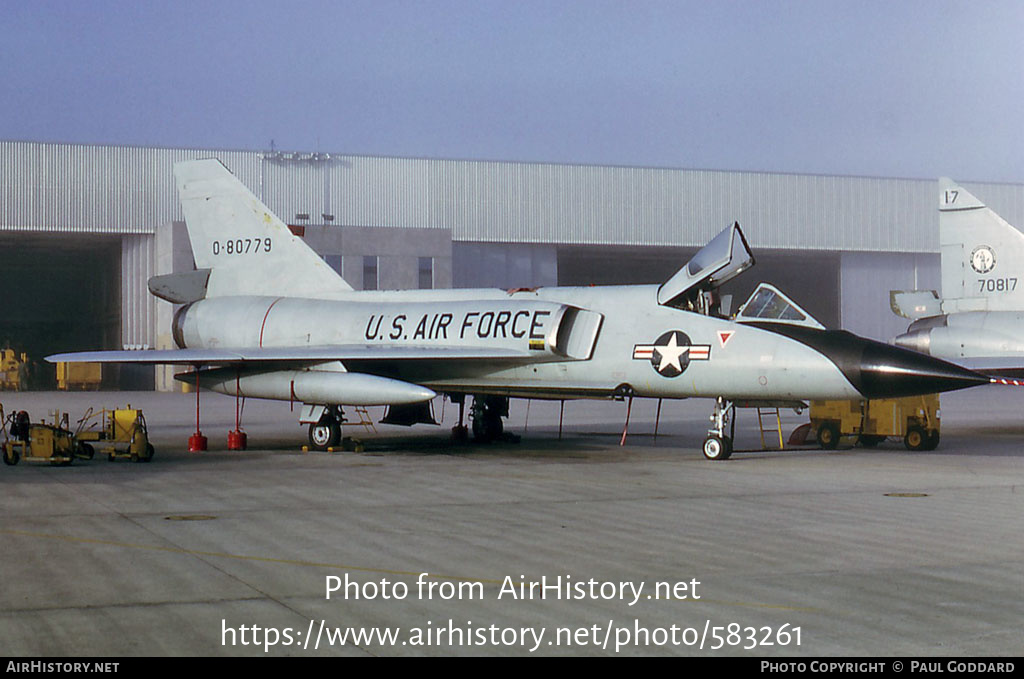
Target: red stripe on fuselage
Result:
[[264, 324]]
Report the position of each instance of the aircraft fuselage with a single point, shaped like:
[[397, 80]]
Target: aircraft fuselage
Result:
[[629, 345]]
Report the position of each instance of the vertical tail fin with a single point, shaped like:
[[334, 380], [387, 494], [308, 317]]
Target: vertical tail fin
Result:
[[982, 254], [247, 248]]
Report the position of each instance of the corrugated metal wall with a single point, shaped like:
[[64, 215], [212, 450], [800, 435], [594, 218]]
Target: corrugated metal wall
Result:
[[97, 189], [381, 192], [115, 189], [584, 205]]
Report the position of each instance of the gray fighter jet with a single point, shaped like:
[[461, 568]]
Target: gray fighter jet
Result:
[[265, 317], [979, 319]]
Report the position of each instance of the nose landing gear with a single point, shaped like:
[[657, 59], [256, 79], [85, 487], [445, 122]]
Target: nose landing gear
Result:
[[718, 445]]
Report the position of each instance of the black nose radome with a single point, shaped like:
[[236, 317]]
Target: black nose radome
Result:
[[888, 372], [879, 370]]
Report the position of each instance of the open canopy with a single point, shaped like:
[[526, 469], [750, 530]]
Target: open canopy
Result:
[[724, 258]]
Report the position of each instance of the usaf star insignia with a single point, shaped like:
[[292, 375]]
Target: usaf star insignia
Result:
[[671, 353]]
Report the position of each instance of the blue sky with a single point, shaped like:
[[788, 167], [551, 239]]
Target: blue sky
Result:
[[909, 89]]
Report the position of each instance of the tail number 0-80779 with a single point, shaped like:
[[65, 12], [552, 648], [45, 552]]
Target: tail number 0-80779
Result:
[[241, 246]]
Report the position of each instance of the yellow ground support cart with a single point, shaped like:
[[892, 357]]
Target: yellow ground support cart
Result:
[[914, 418], [23, 439], [12, 370], [122, 433]]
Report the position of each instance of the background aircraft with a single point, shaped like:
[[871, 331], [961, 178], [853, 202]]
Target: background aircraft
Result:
[[979, 319], [265, 317]]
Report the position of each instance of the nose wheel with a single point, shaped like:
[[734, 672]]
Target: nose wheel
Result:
[[718, 444], [717, 447]]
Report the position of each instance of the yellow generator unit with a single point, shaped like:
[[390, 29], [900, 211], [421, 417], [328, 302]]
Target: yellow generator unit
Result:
[[914, 418], [122, 433], [84, 376]]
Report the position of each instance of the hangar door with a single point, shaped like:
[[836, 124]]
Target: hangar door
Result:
[[59, 293]]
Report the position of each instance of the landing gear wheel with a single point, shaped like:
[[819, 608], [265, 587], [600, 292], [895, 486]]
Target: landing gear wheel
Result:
[[717, 447], [487, 428], [828, 436], [150, 452], [11, 457], [916, 439], [86, 451], [324, 434]]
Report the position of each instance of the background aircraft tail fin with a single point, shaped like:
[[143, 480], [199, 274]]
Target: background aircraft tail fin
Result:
[[247, 248], [981, 254]]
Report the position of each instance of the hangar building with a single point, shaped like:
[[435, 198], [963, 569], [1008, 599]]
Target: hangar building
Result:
[[83, 227]]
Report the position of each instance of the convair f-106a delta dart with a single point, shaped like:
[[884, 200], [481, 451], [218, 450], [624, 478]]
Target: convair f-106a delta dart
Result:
[[265, 317]]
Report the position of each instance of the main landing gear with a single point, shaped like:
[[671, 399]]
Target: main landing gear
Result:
[[485, 419], [326, 433], [718, 445], [486, 415]]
